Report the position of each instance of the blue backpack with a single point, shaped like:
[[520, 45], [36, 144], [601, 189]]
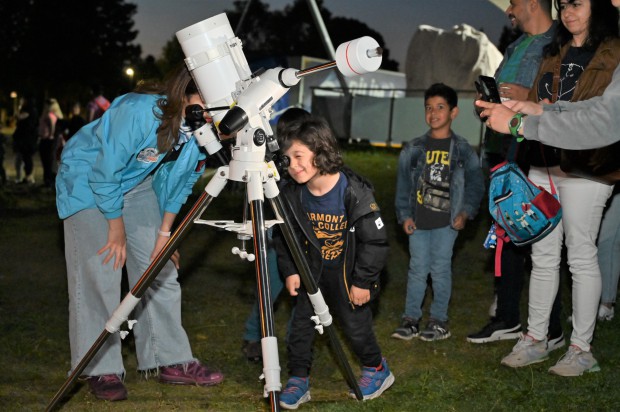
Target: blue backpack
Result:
[[524, 211]]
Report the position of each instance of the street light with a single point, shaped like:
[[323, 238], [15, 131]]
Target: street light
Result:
[[14, 97], [130, 73]]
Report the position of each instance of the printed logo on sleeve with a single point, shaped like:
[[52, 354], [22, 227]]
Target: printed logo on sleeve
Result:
[[379, 223], [148, 155]]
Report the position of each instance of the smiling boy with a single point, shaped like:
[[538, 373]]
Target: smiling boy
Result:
[[439, 186]]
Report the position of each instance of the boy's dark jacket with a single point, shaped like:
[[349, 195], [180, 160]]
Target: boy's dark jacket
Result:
[[365, 248]]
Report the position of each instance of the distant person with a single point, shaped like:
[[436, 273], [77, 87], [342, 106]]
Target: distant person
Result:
[[121, 183], [439, 187], [71, 126], [76, 120], [48, 136], [25, 139], [252, 348], [337, 218], [97, 105]]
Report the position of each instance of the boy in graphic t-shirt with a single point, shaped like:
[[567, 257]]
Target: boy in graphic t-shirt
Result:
[[338, 222], [439, 186]]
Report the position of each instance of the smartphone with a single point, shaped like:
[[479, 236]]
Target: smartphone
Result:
[[487, 87]]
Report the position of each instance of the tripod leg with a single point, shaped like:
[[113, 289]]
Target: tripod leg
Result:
[[269, 344], [314, 293], [133, 297]]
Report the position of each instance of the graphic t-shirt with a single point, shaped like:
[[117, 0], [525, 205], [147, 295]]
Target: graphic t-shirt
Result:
[[573, 64], [433, 195], [328, 217]]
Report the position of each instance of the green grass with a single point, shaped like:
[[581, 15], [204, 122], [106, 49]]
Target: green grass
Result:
[[450, 375]]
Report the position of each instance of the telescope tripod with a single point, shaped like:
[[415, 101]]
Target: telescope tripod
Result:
[[260, 183]]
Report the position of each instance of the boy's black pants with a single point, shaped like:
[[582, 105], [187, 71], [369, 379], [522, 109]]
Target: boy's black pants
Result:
[[356, 323]]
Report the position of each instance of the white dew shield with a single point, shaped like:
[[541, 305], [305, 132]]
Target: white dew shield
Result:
[[215, 59]]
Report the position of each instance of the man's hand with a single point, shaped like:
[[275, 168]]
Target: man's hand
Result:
[[459, 221], [513, 91]]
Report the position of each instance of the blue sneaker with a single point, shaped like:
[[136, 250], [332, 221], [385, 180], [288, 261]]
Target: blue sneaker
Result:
[[374, 381], [296, 392]]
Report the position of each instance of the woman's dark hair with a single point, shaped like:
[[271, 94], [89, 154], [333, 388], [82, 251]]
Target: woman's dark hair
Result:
[[175, 89], [603, 25], [316, 134]]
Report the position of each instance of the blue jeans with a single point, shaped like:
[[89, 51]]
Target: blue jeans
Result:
[[252, 324], [95, 289], [609, 250], [431, 252]]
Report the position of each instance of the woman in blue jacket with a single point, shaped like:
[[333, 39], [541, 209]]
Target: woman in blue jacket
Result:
[[121, 182]]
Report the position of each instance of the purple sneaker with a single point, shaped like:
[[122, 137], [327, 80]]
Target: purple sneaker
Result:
[[107, 387], [192, 373]]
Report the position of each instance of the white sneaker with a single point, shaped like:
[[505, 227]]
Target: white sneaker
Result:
[[526, 352], [605, 313], [575, 362]]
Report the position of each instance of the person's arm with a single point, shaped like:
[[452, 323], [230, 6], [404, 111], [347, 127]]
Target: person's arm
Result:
[[118, 139], [371, 251], [403, 185], [587, 124], [474, 187]]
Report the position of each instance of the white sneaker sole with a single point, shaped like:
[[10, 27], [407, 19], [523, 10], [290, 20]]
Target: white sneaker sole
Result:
[[505, 334], [305, 398], [386, 384]]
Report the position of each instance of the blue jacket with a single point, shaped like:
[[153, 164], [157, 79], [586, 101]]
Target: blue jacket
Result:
[[466, 180], [112, 155]]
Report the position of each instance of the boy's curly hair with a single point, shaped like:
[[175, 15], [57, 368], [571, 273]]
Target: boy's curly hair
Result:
[[316, 134]]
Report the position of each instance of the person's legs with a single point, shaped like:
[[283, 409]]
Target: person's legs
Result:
[[583, 202], [441, 246], [159, 335], [46, 147], [510, 284], [419, 268], [94, 292], [301, 337], [609, 251], [545, 276]]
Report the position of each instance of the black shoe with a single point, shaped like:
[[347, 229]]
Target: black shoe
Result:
[[435, 330], [408, 329], [495, 330], [252, 350]]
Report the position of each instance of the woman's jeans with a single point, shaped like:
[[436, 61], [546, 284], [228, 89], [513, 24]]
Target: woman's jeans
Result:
[[431, 252], [582, 208], [95, 289]]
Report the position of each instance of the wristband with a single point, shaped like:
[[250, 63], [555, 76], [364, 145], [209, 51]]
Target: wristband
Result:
[[514, 124], [164, 234]]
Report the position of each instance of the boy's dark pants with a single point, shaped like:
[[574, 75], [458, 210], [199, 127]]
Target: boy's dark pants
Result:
[[356, 323]]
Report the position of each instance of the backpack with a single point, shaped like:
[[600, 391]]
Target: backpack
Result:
[[523, 212]]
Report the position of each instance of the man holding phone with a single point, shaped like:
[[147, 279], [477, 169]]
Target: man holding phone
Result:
[[515, 76]]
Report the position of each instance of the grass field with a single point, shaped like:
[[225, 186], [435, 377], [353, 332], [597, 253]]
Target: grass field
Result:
[[450, 375]]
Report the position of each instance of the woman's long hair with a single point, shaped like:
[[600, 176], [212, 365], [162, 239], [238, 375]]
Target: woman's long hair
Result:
[[175, 90], [603, 25]]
